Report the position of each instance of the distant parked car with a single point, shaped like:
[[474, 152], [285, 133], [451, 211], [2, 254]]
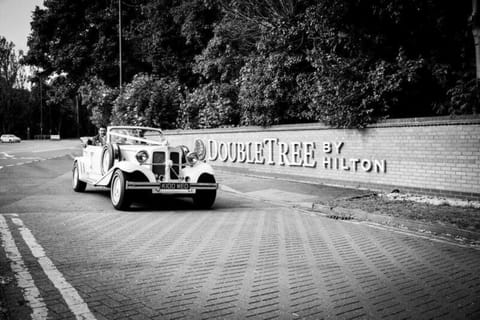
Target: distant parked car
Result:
[[10, 138]]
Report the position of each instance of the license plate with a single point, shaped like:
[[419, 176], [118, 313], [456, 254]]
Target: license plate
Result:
[[171, 186]]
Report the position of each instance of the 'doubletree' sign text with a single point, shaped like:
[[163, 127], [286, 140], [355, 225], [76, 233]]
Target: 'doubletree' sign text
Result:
[[273, 152]]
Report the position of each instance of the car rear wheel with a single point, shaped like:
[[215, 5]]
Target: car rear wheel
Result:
[[204, 199], [77, 184], [120, 197]]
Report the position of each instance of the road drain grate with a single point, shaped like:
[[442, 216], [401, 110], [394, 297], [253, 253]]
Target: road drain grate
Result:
[[335, 217]]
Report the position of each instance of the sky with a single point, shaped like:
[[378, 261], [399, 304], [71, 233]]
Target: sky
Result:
[[15, 17]]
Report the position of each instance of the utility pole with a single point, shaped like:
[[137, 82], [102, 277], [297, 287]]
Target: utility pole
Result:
[[120, 49], [41, 107], [78, 115], [475, 21]]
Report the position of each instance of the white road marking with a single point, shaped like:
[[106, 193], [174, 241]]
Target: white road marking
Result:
[[76, 304], [24, 278], [6, 156], [28, 162]]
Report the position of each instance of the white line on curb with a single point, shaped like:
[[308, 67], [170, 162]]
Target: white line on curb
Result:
[[53, 149], [24, 278], [228, 189], [76, 304]]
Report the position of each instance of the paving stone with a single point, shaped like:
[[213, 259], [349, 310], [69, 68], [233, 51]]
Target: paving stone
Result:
[[256, 263]]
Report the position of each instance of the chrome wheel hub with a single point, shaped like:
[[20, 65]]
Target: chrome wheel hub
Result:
[[116, 190]]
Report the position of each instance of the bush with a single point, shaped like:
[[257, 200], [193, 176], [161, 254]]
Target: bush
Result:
[[269, 89], [148, 101], [463, 98], [209, 106], [98, 98], [353, 92]]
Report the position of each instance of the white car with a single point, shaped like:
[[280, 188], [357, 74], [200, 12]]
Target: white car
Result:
[[139, 159], [10, 138]]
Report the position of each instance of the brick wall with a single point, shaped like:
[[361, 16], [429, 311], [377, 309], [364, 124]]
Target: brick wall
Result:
[[427, 155]]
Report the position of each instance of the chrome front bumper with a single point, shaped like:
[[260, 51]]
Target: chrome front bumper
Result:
[[170, 187]]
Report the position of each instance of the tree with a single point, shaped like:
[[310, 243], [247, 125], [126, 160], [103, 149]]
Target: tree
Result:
[[354, 61], [148, 101], [346, 63], [80, 39], [14, 99], [99, 99], [209, 106], [421, 49], [60, 100], [169, 34]]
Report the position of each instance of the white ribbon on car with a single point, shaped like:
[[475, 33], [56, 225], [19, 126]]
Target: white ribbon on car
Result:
[[126, 136]]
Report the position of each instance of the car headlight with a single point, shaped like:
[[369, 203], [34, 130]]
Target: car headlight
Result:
[[200, 149], [142, 156], [192, 158]]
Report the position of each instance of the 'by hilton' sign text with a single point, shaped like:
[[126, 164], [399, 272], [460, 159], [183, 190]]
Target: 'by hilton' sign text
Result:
[[271, 151]]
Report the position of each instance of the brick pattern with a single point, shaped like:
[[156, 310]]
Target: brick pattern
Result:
[[240, 263], [437, 156]]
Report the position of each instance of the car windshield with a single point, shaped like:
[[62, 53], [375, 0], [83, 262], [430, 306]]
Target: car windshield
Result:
[[136, 136]]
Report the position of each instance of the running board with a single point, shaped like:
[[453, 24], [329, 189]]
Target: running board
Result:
[[105, 180]]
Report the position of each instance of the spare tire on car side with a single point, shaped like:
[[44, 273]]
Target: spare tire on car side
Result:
[[110, 153]]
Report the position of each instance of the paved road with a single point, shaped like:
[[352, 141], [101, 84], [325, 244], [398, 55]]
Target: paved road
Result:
[[67, 255]]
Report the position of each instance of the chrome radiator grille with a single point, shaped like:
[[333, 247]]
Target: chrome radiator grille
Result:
[[159, 164], [175, 169]]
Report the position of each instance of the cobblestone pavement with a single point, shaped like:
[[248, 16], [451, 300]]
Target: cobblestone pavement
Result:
[[243, 259]]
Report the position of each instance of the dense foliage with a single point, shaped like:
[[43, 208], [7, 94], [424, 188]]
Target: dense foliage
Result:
[[211, 63], [148, 101], [16, 112], [99, 98], [209, 106]]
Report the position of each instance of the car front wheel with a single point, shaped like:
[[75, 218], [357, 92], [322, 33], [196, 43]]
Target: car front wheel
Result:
[[77, 184], [204, 199], [119, 196]]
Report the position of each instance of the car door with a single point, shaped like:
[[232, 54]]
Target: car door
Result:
[[93, 158]]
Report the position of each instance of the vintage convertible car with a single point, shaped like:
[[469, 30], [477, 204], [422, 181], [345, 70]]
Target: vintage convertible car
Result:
[[140, 159]]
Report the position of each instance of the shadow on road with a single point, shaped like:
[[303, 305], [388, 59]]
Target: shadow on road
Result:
[[149, 202]]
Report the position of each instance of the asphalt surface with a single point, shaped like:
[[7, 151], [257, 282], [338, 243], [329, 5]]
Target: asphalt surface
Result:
[[258, 254]]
